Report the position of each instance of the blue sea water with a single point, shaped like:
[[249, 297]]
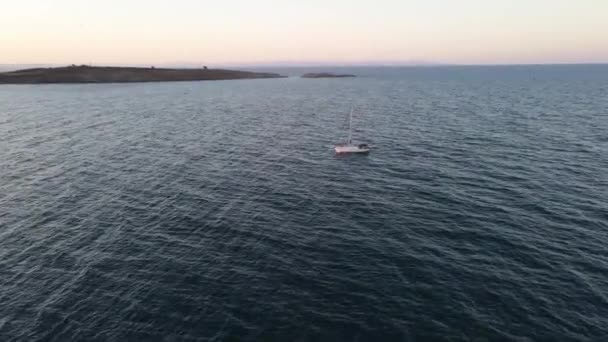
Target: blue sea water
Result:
[[213, 211]]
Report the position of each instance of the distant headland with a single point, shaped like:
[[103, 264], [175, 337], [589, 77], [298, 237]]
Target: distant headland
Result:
[[325, 75], [101, 74]]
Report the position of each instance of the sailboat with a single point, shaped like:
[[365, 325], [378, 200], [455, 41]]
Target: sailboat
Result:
[[349, 147]]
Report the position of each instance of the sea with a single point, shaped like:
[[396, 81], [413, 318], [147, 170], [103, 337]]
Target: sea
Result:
[[218, 211]]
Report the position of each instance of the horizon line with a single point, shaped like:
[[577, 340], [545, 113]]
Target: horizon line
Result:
[[191, 65]]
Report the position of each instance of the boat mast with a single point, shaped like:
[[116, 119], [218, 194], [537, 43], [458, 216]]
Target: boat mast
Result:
[[350, 125]]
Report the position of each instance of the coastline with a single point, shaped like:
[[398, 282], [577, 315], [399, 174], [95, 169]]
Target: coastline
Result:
[[101, 74]]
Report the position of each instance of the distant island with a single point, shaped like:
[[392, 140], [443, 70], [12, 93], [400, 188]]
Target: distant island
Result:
[[95, 74], [325, 75]]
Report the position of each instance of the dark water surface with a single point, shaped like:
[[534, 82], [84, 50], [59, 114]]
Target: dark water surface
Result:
[[217, 211]]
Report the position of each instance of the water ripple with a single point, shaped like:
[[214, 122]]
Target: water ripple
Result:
[[216, 211]]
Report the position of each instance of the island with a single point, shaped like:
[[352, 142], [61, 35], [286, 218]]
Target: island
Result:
[[102, 74], [325, 75]]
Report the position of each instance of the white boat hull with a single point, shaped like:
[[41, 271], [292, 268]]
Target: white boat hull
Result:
[[351, 149]]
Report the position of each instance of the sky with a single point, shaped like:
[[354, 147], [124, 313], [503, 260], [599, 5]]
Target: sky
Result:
[[303, 32]]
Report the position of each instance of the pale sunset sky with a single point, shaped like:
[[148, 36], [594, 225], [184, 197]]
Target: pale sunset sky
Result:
[[313, 31]]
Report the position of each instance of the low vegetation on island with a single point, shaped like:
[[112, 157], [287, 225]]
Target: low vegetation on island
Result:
[[94, 74], [325, 75]]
